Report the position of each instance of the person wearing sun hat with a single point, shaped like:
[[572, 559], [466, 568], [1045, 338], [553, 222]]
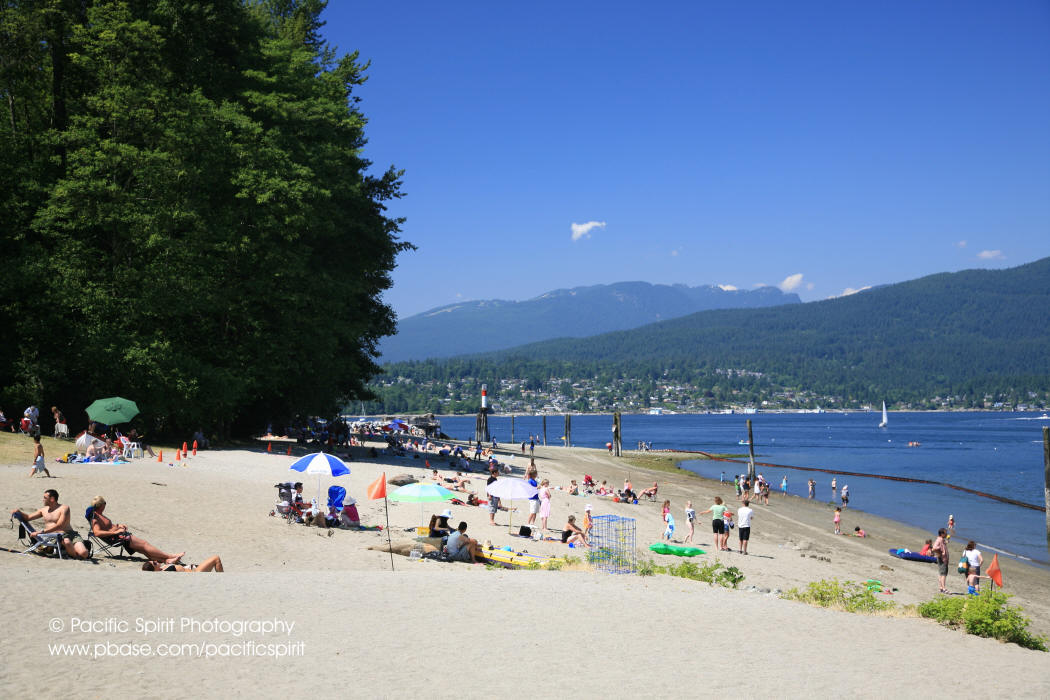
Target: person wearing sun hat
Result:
[[587, 522], [350, 517]]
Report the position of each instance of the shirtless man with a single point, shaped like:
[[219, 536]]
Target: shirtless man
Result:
[[56, 519], [38, 458]]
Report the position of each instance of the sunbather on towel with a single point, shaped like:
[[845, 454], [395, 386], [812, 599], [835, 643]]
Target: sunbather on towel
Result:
[[56, 519], [104, 529], [209, 564]]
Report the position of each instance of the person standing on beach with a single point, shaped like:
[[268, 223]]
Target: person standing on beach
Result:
[[834, 489], [812, 488], [690, 517], [532, 446], [534, 501], [940, 551], [718, 526], [838, 521], [722, 478], [743, 518], [736, 485], [784, 485], [973, 572], [493, 500], [545, 505], [38, 459]]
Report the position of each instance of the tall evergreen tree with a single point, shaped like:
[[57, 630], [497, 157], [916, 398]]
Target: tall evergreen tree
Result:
[[193, 222]]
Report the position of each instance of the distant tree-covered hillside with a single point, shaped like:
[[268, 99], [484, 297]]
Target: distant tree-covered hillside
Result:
[[968, 335]]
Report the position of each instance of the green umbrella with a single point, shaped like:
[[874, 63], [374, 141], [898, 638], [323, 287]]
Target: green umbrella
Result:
[[112, 411], [422, 493]]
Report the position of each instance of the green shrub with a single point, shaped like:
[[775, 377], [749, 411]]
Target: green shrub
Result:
[[986, 615], [840, 595], [730, 577], [571, 560], [946, 610], [989, 615], [647, 568], [554, 565]]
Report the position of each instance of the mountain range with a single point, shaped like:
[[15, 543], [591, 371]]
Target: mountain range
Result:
[[481, 326], [973, 334]]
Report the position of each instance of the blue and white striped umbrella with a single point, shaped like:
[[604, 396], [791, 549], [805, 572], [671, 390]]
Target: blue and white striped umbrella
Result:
[[321, 464]]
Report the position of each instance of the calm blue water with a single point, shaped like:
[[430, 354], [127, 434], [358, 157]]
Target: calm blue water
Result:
[[999, 453]]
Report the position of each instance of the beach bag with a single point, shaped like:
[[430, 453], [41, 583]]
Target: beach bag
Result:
[[525, 531], [964, 565]]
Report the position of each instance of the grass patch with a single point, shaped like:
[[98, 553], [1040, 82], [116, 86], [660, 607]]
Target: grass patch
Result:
[[841, 595], [16, 448], [987, 615], [712, 573]]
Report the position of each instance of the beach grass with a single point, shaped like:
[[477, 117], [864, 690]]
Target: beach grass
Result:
[[665, 461], [16, 448]]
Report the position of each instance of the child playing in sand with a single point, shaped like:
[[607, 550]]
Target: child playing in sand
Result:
[[690, 517], [38, 459], [838, 519], [857, 532]]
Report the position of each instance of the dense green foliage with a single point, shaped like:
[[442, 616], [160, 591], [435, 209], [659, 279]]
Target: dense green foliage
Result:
[[492, 324], [187, 216], [712, 572], [986, 615], [970, 338]]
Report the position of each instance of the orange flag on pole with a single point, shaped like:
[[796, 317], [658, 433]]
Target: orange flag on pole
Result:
[[377, 489], [994, 573]]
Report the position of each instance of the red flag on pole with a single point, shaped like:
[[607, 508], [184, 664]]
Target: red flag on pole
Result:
[[377, 489], [994, 573]]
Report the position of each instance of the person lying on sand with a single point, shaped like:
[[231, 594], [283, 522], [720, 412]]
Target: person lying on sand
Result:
[[209, 564], [104, 529]]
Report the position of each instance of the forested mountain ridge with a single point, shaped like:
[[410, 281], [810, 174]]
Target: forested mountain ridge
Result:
[[963, 338], [493, 324]]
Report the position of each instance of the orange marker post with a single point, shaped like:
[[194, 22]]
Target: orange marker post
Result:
[[160, 456], [184, 450], [194, 448], [289, 452], [269, 447]]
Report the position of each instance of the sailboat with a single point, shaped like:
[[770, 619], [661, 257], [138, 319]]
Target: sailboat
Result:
[[884, 418]]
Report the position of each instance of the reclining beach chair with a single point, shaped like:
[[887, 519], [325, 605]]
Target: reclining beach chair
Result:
[[98, 544], [42, 540], [336, 496]]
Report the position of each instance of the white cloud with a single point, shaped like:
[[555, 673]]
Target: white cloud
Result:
[[790, 282], [991, 255], [674, 253], [727, 287], [809, 286], [584, 230], [960, 244]]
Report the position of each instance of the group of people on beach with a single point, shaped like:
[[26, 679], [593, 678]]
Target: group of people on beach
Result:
[[722, 523], [59, 531]]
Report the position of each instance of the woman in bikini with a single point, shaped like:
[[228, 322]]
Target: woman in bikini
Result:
[[209, 564], [104, 529]]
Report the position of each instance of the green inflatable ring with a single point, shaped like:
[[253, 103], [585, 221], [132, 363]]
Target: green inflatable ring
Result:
[[676, 550]]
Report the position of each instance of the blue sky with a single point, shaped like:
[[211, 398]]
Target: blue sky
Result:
[[817, 146]]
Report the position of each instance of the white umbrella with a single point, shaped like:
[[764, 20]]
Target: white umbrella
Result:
[[86, 440], [513, 490]]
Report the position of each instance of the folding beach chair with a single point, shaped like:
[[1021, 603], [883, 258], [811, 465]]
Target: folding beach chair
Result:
[[61, 431], [26, 538], [99, 545]]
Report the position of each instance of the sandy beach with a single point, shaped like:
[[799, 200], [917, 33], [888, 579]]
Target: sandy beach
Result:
[[460, 630]]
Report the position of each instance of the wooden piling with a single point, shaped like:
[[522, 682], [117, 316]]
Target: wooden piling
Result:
[[616, 434], [1046, 479], [751, 453], [545, 431]]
